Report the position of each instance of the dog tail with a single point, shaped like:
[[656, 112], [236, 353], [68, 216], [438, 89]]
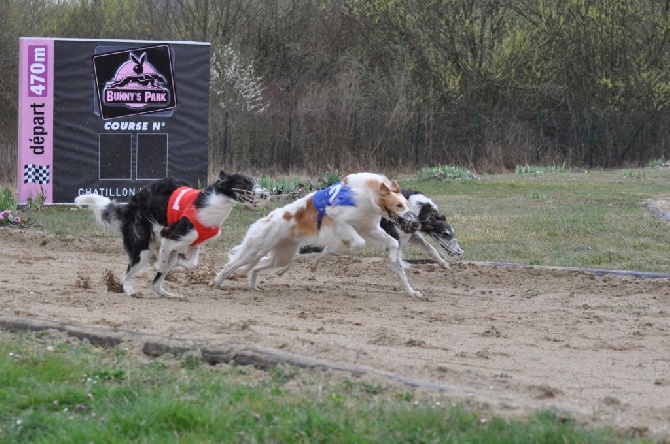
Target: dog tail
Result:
[[107, 212]]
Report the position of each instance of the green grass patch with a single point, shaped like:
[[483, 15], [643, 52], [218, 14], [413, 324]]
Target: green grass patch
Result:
[[573, 219], [7, 200], [659, 163], [446, 172], [295, 185], [528, 169], [52, 392]]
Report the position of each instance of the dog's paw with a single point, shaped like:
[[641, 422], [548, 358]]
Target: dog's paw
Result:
[[220, 277], [414, 294], [162, 292]]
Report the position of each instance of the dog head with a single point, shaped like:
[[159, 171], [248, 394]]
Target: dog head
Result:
[[435, 224], [241, 188], [396, 208]]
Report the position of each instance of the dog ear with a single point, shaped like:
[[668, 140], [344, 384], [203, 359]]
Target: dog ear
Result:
[[222, 175], [395, 188], [384, 190]]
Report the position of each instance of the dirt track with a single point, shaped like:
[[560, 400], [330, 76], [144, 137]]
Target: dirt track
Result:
[[512, 338]]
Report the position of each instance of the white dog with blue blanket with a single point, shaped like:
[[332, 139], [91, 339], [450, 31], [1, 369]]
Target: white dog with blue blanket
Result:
[[342, 218]]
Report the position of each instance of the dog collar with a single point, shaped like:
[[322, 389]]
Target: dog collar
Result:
[[334, 195]]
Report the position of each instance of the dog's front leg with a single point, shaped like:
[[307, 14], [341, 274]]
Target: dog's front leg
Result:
[[163, 258], [428, 248], [379, 237], [157, 284], [400, 271], [189, 258]]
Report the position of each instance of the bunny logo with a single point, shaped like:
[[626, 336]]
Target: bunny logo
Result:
[[135, 81]]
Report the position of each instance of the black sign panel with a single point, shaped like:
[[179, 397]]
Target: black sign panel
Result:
[[125, 114]]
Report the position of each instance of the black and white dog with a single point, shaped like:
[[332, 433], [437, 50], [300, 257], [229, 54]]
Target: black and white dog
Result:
[[165, 223], [432, 223]]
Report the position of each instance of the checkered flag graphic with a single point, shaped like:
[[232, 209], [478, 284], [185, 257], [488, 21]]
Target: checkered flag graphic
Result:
[[36, 173]]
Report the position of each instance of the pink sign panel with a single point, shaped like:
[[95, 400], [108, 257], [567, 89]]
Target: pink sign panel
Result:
[[36, 112]]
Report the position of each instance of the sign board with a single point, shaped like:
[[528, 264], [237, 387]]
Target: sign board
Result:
[[110, 116]]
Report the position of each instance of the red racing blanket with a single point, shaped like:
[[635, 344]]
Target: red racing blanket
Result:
[[181, 204]]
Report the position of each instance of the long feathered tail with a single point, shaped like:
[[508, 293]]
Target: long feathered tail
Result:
[[106, 211]]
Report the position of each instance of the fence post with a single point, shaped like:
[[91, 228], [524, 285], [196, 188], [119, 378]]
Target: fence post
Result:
[[641, 153], [538, 121], [417, 138], [354, 132], [225, 136], [476, 143], [592, 125], [288, 139]]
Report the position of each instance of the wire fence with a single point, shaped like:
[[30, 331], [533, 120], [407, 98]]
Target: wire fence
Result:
[[486, 142]]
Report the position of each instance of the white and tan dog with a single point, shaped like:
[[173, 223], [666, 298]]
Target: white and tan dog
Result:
[[341, 218]]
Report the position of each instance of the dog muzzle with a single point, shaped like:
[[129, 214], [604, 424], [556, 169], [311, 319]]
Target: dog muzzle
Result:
[[257, 197], [448, 243], [407, 222]]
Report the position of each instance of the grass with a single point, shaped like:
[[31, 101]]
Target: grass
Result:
[[592, 219], [528, 169], [57, 392], [7, 200], [297, 186], [573, 219], [659, 163], [447, 172]]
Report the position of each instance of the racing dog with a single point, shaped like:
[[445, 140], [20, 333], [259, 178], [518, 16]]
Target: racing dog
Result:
[[431, 223], [340, 218], [166, 223]]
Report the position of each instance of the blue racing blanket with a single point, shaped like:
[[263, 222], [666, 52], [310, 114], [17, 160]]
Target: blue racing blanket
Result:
[[334, 195]]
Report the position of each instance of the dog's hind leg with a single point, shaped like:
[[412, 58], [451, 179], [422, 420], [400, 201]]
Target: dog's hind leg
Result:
[[136, 265], [137, 244], [281, 256], [308, 251], [166, 258], [245, 257]]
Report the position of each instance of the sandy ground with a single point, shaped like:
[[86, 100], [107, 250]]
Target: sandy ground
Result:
[[511, 338]]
